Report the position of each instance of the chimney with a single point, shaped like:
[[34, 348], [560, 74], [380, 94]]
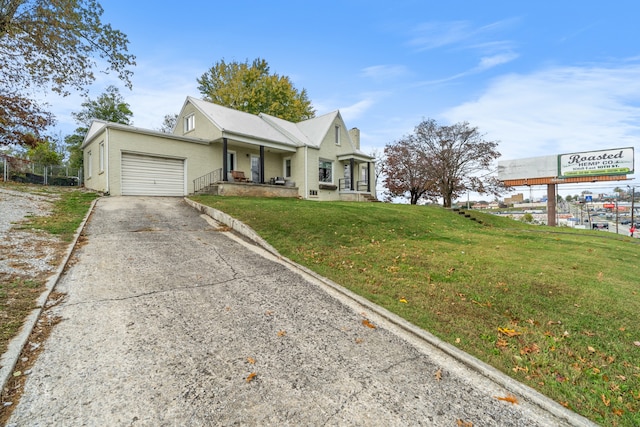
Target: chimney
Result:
[[355, 137]]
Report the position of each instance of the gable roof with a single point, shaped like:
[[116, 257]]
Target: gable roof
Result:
[[267, 128], [98, 125], [239, 123]]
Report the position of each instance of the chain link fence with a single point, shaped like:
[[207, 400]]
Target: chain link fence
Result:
[[20, 170]]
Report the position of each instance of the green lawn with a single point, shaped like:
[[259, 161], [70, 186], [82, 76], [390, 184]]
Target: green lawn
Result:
[[555, 308]]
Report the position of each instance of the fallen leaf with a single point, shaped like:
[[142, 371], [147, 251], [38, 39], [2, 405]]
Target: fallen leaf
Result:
[[457, 340], [591, 349], [462, 423], [268, 313], [359, 340], [502, 343], [606, 401], [508, 398], [251, 360], [509, 332], [533, 348], [402, 300], [636, 343], [438, 374], [251, 377], [617, 412], [368, 324], [282, 333]]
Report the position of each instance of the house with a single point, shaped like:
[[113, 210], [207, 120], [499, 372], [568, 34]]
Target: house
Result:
[[316, 159]]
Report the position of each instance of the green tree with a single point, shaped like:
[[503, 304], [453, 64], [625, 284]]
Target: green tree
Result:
[[168, 123], [252, 89], [51, 45], [45, 153], [109, 106]]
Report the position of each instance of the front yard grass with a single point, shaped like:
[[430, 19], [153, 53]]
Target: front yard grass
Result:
[[554, 308]]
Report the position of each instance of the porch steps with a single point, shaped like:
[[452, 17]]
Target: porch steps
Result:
[[467, 215], [370, 198], [209, 189]]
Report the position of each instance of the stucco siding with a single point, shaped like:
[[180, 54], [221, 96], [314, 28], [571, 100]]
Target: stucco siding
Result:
[[199, 157], [94, 178], [204, 128]]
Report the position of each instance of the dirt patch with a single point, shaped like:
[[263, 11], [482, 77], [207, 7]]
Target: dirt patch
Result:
[[10, 395]]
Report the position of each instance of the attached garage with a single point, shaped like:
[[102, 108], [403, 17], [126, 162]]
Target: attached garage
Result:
[[146, 175]]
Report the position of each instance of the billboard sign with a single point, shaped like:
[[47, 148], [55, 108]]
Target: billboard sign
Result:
[[618, 161]]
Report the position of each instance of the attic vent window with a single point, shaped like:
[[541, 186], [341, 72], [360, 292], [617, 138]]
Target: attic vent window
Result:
[[189, 123], [337, 136]]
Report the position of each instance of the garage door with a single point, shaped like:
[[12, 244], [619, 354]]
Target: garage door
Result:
[[152, 176]]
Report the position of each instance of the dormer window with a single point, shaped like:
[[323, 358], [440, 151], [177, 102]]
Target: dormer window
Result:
[[189, 123], [337, 136]]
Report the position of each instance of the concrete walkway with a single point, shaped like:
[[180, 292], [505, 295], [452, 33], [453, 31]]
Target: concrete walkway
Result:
[[170, 320]]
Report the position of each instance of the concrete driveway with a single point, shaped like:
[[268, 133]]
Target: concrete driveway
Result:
[[170, 320]]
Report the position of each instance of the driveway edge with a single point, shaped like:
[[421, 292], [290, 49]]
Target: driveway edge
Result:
[[9, 359], [477, 365]]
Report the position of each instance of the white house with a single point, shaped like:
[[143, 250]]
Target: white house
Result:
[[317, 159]]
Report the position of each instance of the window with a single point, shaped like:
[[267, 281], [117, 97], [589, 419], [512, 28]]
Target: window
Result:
[[189, 123], [337, 135], [325, 169], [101, 157], [287, 168]]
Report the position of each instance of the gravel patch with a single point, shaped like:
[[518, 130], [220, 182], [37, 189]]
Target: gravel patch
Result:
[[28, 254]]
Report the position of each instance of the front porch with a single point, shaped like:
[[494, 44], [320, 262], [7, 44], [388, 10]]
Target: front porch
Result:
[[213, 183]]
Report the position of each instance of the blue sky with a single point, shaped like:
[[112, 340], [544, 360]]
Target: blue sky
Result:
[[543, 77]]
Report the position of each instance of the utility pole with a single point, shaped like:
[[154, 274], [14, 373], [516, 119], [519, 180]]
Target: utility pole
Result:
[[633, 198]]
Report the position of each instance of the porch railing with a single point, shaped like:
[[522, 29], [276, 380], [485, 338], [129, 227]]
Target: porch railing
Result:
[[344, 184], [205, 181]]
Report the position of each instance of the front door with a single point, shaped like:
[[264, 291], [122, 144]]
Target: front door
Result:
[[255, 169], [231, 161], [347, 176]]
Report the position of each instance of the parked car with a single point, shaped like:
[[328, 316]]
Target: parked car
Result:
[[625, 221], [600, 225]]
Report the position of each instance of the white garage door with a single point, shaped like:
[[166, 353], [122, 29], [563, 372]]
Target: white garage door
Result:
[[152, 176]]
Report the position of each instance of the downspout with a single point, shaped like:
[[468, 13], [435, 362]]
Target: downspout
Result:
[[224, 160], [368, 177], [306, 174], [106, 162]]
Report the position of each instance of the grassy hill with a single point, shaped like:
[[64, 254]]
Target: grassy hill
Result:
[[555, 308]]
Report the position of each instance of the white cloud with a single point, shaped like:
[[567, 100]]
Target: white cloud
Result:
[[383, 72], [495, 60], [558, 110], [356, 110], [433, 35]]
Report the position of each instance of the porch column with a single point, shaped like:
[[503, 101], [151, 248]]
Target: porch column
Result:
[[352, 167], [261, 164], [368, 177], [225, 177]]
